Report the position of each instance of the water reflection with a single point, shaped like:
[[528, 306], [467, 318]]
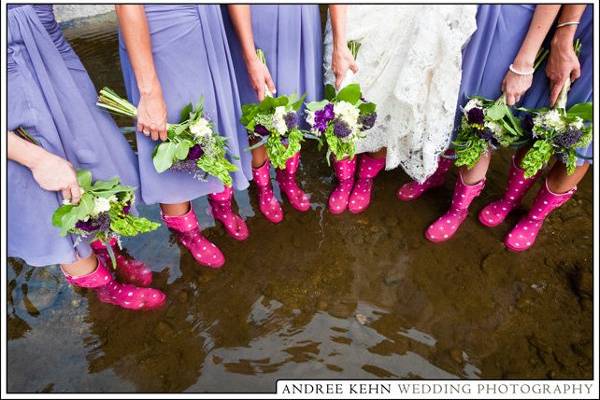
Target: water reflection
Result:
[[317, 296]]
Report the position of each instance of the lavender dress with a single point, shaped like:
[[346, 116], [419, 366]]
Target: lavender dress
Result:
[[192, 59], [493, 47], [52, 97], [290, 36]]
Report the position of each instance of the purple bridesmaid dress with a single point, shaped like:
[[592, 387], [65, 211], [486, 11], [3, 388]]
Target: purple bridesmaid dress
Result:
[[290, 36], [52, 97], [192, 59]]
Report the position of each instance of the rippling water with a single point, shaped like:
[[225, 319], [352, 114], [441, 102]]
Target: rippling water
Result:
[[317, 296]]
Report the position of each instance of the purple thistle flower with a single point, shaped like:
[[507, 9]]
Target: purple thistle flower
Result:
[[260, 130], [322, 117], [195, 152], [475, 116], [367, 121], [569, 138], [563, 157], [527, 123], [487, 135], [185, 166], [291, 120], [341, 129]]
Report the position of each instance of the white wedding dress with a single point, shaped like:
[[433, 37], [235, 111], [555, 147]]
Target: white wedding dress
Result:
[[410, 66]]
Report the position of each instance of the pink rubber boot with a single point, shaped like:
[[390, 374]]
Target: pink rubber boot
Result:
[[413, 190], [447, 225], [188, 233], [494, 213], [368, 168], [523, 235], [344, 171], [128, 269], [287, 182], [267, 203], [222, 211], [112, 292]]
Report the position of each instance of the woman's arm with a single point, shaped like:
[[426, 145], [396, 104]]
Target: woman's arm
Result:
[[51, 172], [258, 73], [515, 85], [563, 63], [341, 59], [152, 110]]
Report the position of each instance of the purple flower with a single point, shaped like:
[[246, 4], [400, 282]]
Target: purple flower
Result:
[[475, 116], [100, 223], [88, 226], [569, 138], [487, 135], [261, 130], [322, 117], [367, 121], [127, 208], [195, 152], [185, 166], [291, 120], [527, 123], [341, 129]]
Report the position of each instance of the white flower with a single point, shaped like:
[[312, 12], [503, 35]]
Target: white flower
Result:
[[101, 205], [494, 127], [472, 104], [553, 119], [201, 129], [310, 117], [279, 120], [577, 123], [347, 113]]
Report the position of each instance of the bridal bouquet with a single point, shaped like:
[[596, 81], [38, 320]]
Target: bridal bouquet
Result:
[[557, 132], [273, 121], [342, 117], [192, 145], [102, 213], [488, 124]]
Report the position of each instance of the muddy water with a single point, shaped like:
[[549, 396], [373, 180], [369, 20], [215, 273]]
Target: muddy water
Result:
[[317, 296]]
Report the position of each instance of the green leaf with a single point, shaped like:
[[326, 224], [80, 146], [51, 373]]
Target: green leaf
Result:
[[182, 150], [297, 104], [350, 93], [329, 92], [584, 111], [68, 222], [100, 185], [84, 178], [184, 115], [163, 158], [85, 206], [60, 213], [367, 108], [496, 112], [316, 105]]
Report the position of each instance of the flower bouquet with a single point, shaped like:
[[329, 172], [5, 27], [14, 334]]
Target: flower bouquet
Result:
[[488, 124], [557, 131], [342, 117], [273, 121], [192, 145], [102, 213]]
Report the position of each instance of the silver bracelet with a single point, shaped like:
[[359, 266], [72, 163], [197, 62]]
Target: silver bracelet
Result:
[[569, 23], [514, 71]]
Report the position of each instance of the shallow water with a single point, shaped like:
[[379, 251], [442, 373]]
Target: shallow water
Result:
[[317, 296]]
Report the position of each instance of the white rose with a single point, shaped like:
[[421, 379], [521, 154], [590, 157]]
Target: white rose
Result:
[[279, 120], [347, 113], [101, 205], [201, 129]]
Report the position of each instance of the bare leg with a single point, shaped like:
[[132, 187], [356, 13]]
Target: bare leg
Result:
[[175, 209], [558, 180], [82, 266], [259, 156], [479, 170], [381, 153]]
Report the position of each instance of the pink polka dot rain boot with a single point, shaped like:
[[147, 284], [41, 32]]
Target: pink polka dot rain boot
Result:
[[221, 205], [368, 168], [447, 225], [344, 171], [413, 190], [128, 269], [267, 203], [523, 235], [287, 182], [494, 213], [112, 292], [187, 230]]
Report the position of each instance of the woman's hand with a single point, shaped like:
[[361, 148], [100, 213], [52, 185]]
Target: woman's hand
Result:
[[260, 78], [341, 61], [562, 64], [152, 114], [54, 173], [514, 86]]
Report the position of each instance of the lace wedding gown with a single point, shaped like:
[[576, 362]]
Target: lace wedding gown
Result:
[[410, 66]]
